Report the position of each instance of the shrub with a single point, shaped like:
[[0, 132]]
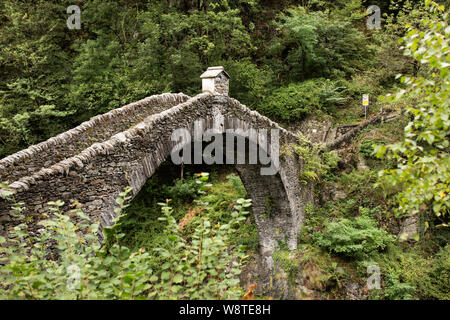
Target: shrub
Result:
[[200, 267], [366, 148], [332, 95], [396, 290], [293, 102], [357, 237], [439, 277], [428, 274], [362, 83], [359, 185], [64, 260], [298, 100], [185, 190], [237, 185], [250, 84], [316, 162], [422, 157], [395, 285]]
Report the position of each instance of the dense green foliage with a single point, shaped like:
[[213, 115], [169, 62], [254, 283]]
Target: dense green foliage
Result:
[[293, 102], [200, 266], [61, 263], [316, 163], [65, 260], [186, 238], [423, 156], [353, 237], [142, 228], [303, 49], [413, 269], [52, 78]]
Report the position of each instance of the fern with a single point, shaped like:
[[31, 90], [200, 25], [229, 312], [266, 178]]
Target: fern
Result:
[[357, 238]]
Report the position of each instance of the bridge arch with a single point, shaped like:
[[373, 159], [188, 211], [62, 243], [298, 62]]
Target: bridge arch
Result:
[[148, 149]]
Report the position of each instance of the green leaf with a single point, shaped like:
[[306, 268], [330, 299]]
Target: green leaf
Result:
[[153, 278], [178, 278], [165, 275]]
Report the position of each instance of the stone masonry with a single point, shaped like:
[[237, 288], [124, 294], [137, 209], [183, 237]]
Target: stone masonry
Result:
[[90, 165]]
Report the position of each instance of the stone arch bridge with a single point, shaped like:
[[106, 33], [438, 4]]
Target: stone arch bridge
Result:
[[93, 162]]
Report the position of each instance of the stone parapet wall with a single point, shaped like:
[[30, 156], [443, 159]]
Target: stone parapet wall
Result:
[[97, 129]]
